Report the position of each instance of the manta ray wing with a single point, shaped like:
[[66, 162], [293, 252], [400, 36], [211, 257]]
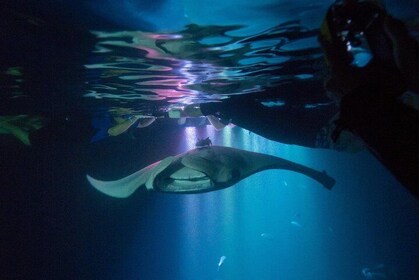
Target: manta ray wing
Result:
[[128, 185]]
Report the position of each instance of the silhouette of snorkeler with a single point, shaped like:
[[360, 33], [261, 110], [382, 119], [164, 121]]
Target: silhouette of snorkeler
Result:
[[370, 96]]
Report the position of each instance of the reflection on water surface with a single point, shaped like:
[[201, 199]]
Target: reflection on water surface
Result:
[[86, 88]]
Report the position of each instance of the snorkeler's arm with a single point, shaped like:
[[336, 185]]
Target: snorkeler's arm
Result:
[[216, 123], [405, 51]]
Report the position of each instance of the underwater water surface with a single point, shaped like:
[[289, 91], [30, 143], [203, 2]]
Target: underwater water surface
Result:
[[82, 61]]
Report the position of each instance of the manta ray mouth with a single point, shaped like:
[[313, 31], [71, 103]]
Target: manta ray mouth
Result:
[[187, 180], [188, 174]]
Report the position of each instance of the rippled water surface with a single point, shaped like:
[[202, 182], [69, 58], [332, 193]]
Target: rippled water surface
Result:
[[88, 63]]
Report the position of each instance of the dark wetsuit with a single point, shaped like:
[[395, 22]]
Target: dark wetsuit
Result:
[[289, 124], [389, 128]]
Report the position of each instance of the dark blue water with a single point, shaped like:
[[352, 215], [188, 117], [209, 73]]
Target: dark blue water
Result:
[[82, 59]]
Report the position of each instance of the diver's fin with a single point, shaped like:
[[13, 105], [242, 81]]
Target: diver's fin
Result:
[[22, 135], [18, 132], [121, 127]]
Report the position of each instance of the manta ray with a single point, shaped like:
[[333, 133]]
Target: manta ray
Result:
[[203, 170]]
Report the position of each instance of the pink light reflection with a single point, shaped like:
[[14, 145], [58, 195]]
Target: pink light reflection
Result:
[[163, 82], [155, 54], [171, 93], [165, 36]]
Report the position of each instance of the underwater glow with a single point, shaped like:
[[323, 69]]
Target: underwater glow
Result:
[[190, 137], [240, 216], [190, 228], [226, 137], [206, 220], [210, 132]]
